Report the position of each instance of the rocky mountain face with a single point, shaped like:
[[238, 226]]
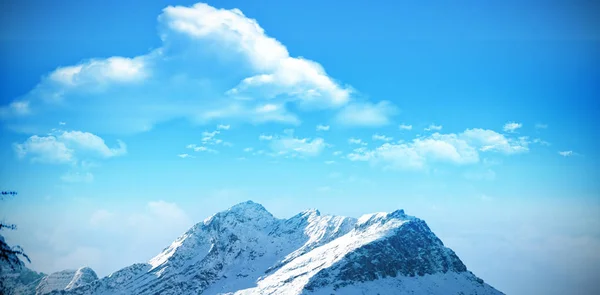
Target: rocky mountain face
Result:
[[245, 250]]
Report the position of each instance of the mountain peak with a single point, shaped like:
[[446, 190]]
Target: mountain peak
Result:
[[250, 210], [247, 205], [245, 250], [244, 212], [310, 212]]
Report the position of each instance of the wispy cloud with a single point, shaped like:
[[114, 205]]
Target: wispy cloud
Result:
[[322, 127], [381, 137], [433, 127], [210, 137], [292, 146], [265, 137], [540, 141], [200, 148], [185, 156], [541, 126], [405, 127], [366, 114], [511, 127], [356, 141], [566, 153]]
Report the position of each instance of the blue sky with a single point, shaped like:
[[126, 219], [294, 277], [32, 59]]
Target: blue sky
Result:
[[123, 125]]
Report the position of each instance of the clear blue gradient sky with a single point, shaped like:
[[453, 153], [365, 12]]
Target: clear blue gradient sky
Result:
[[125, 123]]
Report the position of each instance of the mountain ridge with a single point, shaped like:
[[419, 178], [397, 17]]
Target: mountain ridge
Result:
[[246, 250]]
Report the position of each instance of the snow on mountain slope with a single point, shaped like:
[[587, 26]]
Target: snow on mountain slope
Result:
[[66, 280], [245, 250], [439, 283]]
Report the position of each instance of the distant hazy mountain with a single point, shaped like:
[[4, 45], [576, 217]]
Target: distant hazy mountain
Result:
[[245, 250]]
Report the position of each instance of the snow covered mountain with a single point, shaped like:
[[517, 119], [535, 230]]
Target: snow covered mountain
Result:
[[245, 250], [65, 280]]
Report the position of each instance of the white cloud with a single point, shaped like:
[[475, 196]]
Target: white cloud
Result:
[[45, 149], [267, 108], [511, 127], [421, 152], [366, 114], [280, 74], [329, 162], [405, 127], [416, 155], [271, 113], [488, 140], [97, 71], [541, 141], [75, 177], [322, 127], [382, 137], [433, 127], [209, 137], [62, 123], [541, 126], [212, 64], [204, 149], [337, 153], [62, 147], [200, 148], [566, 153], [93, 143], [265, 137], [16, 108], [292, 146], [446, 147], [184, 156], [248, 149], [356, 141]]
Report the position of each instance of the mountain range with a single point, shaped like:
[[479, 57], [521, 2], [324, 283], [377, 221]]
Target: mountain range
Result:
[[246, 250]]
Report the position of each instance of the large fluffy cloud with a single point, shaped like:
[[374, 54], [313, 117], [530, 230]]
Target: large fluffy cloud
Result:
[[74, 148], [61, 147], [213, 64]]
